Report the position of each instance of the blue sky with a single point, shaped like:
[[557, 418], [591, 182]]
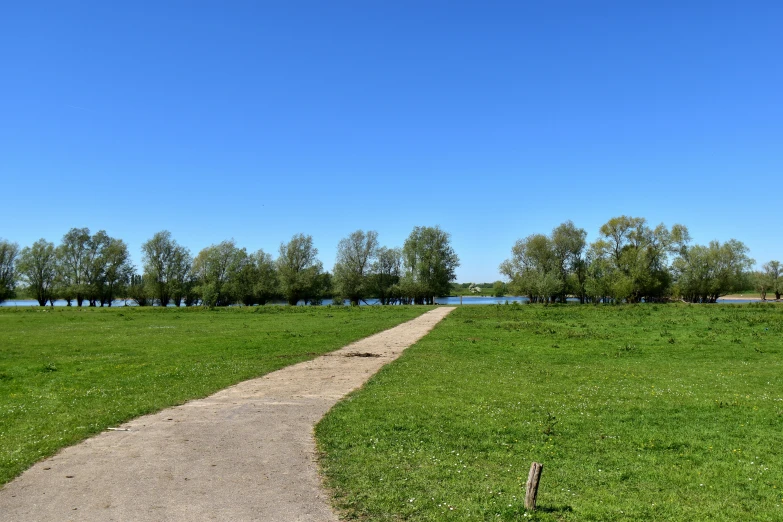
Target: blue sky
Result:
[[495, 120]]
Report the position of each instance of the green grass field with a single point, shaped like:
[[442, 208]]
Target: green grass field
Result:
[[68, 373], [646, 412]]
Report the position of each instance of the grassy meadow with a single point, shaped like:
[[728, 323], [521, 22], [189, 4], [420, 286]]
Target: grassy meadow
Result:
[[67, 373], [637, 412]]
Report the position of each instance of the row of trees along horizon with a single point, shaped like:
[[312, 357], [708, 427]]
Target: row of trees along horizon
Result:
[[633, 262], [629, 262], [96, 269]]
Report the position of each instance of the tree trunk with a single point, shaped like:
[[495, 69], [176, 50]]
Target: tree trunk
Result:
[[531, 488]]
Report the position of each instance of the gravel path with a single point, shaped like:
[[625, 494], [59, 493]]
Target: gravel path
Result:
[[244, 453]]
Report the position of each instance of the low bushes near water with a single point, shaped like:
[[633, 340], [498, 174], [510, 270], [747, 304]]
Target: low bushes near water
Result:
[[67, 373], [638, 412]]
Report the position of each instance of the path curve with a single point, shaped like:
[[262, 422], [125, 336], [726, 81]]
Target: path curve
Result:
[[244, 453]]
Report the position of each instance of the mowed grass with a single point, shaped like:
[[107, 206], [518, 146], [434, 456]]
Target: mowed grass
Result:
[[647, 412], [68, 373]]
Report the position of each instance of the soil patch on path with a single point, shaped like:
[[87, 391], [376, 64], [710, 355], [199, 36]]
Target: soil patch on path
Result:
[[244, 453]]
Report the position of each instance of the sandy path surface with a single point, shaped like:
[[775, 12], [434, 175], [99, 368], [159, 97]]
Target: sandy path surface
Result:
[[244, 453]]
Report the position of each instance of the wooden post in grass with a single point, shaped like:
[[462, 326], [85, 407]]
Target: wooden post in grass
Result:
[[531, 488]]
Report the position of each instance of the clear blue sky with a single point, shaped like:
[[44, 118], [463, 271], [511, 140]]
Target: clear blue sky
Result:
[[495, 120]]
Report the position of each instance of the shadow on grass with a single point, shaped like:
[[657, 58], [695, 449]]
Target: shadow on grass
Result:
[[554, 509]]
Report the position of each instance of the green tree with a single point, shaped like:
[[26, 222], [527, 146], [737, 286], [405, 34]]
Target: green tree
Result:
[[355, 255], [774, 274], [568, 245], [761, 284], [410, 290], [705, 273], [430, 263], [179, 275], [385, 274], [38, 267], [578, 278], [217, 268], [166, 267], [322, 289], [267, 286], [8, 254], [73, 259], [138, 290], [244, 284], [95, 269], [189, 292], [91, 267], [599, 275], [256, 280], [499, 289], [639, 257], [298, 269], [533, 269], [117, 270]]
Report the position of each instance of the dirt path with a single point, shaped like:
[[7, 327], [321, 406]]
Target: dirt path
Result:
[[244, 453]]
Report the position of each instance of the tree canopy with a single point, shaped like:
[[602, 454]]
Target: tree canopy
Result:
[[705, 273], [629, 261], [216, 268], [38, 267], [166, 268], [546, 268], [8, 253], [430, 264], [355, 256], [299, 269]]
